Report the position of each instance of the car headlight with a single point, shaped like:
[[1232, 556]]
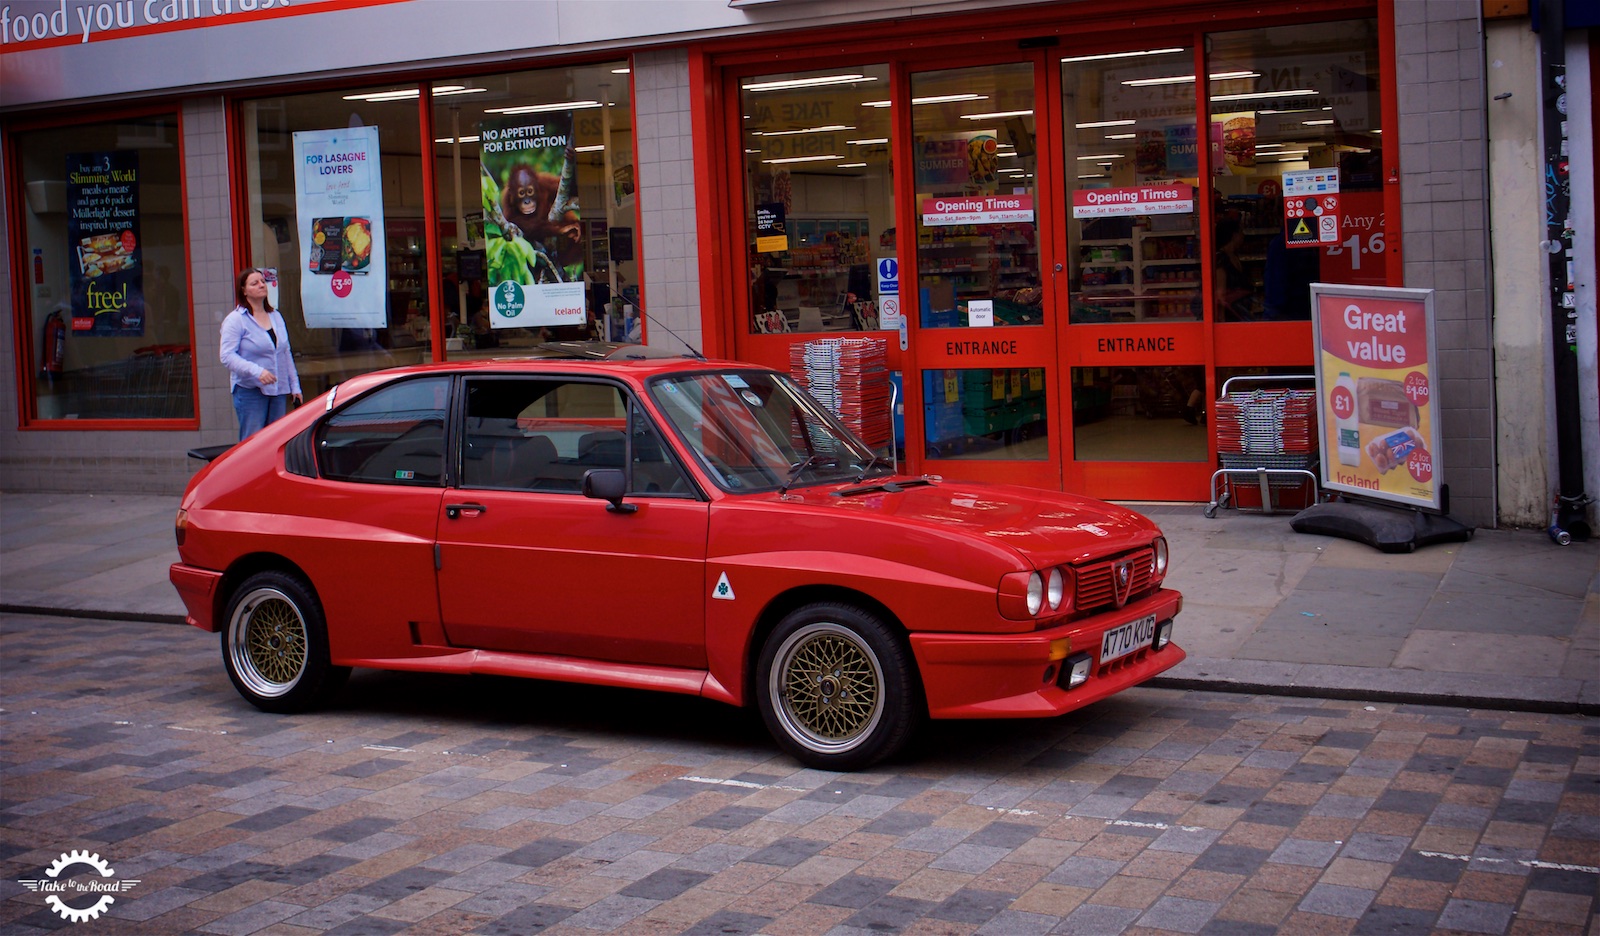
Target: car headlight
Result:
[[1055, 587], [1035, 593], [1159, 566]]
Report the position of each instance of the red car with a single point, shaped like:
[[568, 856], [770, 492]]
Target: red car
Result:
[[692, 526]]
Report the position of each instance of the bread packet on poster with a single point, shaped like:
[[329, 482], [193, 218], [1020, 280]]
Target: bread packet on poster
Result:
[[1381, 402]]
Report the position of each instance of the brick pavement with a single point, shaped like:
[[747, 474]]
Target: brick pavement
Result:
[[430, 804]]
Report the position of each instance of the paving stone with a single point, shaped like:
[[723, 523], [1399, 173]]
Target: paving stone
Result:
[[1179, 914], [854, 891], [1336, 900]]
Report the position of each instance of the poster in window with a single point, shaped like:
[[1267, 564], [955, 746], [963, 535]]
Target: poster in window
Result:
[[338, 188], [532, 225], [106, 272]]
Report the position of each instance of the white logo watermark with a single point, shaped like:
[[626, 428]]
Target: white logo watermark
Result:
[[55, 885]]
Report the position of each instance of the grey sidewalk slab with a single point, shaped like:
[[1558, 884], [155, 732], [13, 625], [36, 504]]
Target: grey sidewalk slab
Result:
[[1506, 619]]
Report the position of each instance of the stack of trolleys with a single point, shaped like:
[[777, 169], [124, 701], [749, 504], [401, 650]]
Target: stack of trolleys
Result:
[[849, 376], [1267, 438]]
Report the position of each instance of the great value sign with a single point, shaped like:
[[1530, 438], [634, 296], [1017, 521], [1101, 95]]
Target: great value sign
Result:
[[1376, 380], [1127, 202]]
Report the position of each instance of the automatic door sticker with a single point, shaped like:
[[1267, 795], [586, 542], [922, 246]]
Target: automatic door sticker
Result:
[[79, 886], [723, 591]]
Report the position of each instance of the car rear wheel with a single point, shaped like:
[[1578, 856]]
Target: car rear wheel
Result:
[[837, 687], [275, 645]]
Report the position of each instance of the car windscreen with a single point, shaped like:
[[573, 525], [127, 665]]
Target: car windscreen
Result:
[[757, 430]]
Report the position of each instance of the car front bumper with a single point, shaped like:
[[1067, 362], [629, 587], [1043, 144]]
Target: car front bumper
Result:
[[1013, 675]]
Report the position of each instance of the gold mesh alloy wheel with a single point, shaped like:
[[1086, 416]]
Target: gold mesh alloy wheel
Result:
[[267, 641], [829, 684]]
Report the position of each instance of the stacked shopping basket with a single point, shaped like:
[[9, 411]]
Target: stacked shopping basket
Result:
[[849, 376], [1267, 441]]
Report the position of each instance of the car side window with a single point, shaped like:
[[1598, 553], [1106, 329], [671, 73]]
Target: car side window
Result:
[[394, 435], [543, 434]]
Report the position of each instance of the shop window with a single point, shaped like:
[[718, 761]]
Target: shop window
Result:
[[1296, 153], [333, 188], [820, 199], [1133, 166], [105, 272], [1139, 414], [977, 224], [985, 413], [535, 188]]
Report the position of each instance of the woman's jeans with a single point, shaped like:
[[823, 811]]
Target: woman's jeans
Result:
[[255, 409]]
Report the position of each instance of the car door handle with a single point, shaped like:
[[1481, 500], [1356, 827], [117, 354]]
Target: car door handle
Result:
[[453, 511]]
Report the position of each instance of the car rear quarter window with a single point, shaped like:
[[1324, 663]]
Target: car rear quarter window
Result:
[[393, 435]]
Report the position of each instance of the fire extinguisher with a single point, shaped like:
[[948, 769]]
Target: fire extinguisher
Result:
[[55, 343]]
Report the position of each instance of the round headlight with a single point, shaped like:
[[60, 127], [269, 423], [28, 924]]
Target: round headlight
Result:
[[1161, 557], [1035, 593], [1055, 587]]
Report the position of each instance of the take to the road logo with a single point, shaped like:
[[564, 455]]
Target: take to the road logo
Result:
[[79, 886]]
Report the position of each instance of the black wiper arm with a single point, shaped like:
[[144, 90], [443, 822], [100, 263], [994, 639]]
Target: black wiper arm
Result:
[[794, 474], [876, 458], [888, 487]]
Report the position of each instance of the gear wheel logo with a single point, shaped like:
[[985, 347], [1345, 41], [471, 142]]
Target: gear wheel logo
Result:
[[54, 885]]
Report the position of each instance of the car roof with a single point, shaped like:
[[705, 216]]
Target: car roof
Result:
[[561, 357]]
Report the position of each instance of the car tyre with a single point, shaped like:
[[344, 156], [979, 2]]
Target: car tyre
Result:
[[275, 644], [837, 687]]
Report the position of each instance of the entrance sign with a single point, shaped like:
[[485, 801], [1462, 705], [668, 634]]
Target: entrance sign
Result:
[[1376, 374], [338, 203]]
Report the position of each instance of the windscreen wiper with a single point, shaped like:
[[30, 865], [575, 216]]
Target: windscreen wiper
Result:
[[794, 474], [888, 487]]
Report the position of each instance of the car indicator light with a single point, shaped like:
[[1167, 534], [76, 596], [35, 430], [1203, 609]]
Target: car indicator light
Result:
[[1055, 588], [181, 525], [1035, 593], [1059, 648]]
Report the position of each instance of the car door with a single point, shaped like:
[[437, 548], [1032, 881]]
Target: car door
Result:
[[528, 564]]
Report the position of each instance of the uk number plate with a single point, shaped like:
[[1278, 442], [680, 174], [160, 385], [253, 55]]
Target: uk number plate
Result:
[[1121, 641]]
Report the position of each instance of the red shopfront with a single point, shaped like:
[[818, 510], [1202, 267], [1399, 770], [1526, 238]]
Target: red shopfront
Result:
[[1080, 239]]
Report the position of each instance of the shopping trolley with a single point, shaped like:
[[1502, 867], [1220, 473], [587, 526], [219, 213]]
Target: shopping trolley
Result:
[[1267, 438]]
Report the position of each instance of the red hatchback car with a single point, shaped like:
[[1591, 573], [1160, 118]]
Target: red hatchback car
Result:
[[693, 526]]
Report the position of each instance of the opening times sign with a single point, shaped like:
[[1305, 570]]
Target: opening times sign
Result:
[[1376, 378], [977, 209], [1131, 202]]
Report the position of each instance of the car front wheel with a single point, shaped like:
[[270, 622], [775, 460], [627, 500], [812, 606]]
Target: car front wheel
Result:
[[275, 645], [837, 687]]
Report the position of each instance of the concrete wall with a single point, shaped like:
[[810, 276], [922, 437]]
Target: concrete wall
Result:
[[1445, 189], [1524, 438], [667, 219]]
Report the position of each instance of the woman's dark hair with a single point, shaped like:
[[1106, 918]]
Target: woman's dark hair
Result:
[[238, 289], [1226, 229]]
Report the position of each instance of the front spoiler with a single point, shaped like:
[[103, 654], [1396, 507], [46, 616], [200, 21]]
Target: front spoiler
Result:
[[1004, 675]]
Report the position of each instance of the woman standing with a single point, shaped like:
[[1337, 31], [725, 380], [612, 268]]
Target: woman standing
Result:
[[255, 350]]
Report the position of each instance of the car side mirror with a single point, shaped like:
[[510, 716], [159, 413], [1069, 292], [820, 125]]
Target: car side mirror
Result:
[[608, 484]]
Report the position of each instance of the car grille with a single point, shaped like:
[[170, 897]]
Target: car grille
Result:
[[1096, 582]]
